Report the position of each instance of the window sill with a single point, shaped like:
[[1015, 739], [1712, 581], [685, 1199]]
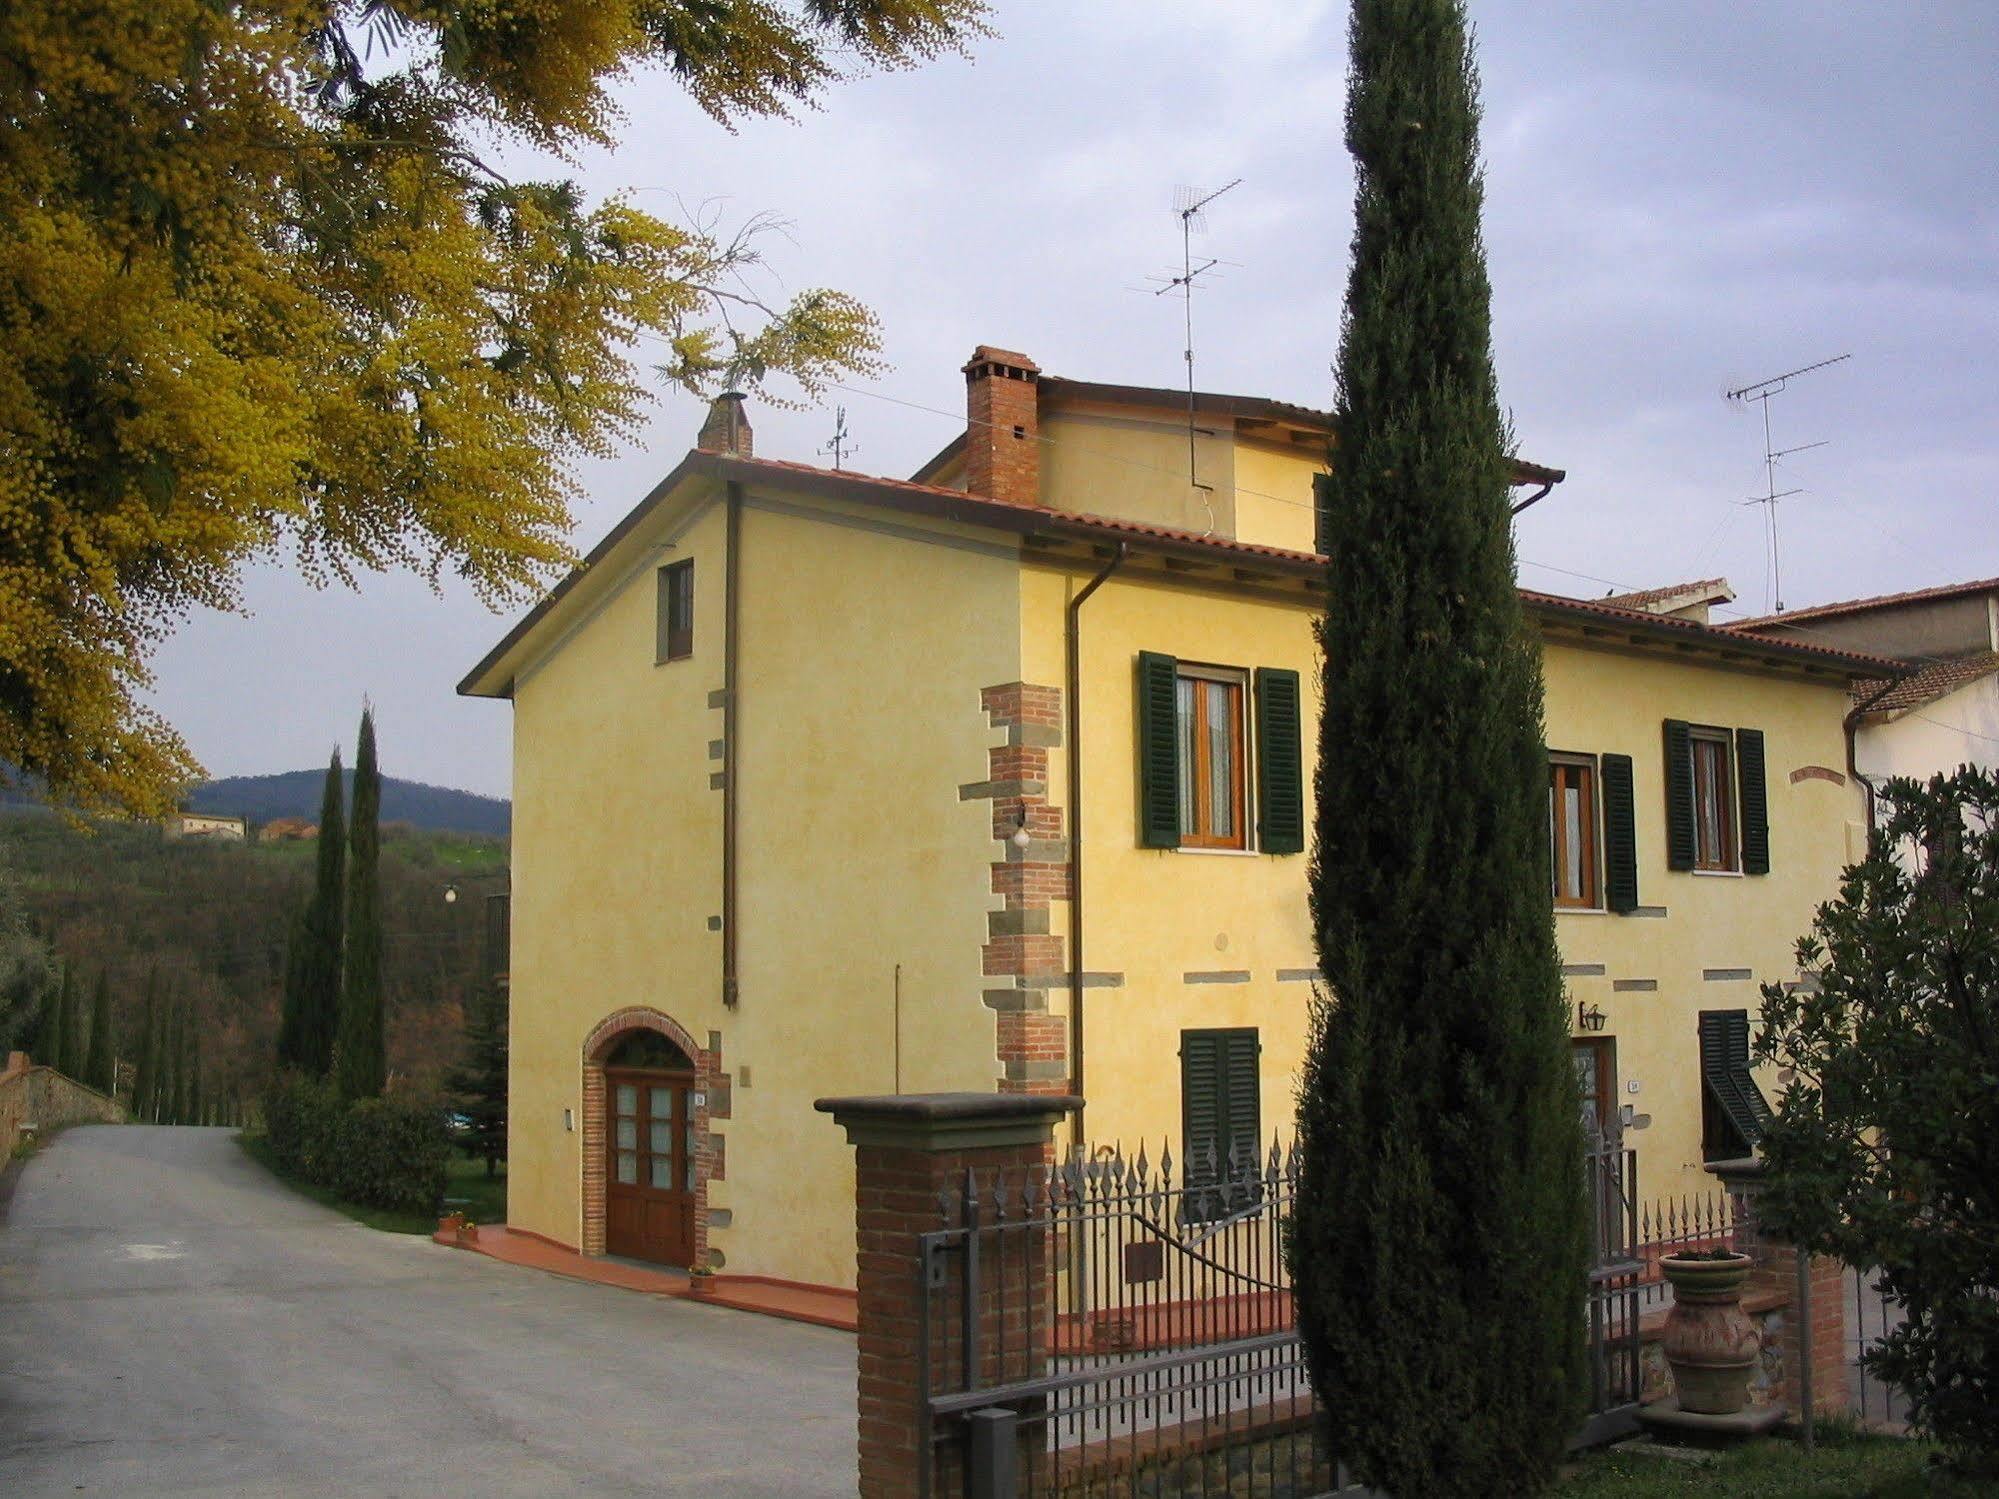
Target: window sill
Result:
[[1581, 911], [1225, 853], [1717, 874], [673, 660]]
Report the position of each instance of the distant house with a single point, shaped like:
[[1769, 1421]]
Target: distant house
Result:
[[287, 830], [211, 825], [1946, 712]]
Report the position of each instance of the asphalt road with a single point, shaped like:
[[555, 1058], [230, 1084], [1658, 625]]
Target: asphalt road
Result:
[[173, 1321]]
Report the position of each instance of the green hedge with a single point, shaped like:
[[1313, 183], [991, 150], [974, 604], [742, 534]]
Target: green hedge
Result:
[[379, 1152]]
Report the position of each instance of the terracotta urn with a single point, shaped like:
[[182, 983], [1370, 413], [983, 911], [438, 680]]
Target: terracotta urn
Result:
[[1710, 1344], [701, 1282]]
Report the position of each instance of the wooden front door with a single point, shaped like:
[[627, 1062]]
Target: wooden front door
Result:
[[650, 1176]]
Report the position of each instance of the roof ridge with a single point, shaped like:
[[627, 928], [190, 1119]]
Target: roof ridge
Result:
[[1876, 601]]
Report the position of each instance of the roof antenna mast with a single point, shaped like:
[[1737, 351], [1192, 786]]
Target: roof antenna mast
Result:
[[1762, 391], [1188, 203], [841, 443]]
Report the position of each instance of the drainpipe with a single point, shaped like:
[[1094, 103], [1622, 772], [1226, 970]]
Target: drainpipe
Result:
[[1852, 726], [731, 720], [1072, 653]]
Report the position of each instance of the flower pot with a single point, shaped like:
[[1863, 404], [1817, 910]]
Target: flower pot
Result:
[[1710, 1344], [701, 1283]]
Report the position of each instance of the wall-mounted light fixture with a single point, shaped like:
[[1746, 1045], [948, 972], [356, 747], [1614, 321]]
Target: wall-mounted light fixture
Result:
[[1021, 837], [1589, 1017], [451, 895]]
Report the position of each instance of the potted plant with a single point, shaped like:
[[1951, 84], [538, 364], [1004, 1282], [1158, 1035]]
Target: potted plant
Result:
[[1710, 1344], [701, 1279]]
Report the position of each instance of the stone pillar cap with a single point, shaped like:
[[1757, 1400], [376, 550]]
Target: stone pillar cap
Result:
[[948, 1121]]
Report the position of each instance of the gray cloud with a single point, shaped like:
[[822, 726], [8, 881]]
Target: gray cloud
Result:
[[1679, 198]]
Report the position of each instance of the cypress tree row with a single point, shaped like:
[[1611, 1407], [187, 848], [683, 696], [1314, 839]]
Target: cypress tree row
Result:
[[311, 1013], [100, 1061], [194, 1100], [48, 1023], [148, 1067], [360, 1061], [1439, 1244], [68, 1058], [186, 1023], [168, 1106]]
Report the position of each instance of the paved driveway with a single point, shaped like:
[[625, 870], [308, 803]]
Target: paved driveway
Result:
[[172, 1321]]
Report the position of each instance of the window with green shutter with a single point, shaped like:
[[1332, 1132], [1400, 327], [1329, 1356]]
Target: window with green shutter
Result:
[[1679, 794], [1733, 1109], [1280, 786], [1220, 1115], [1753, 797], [1158, 751], [1620, 835], [1322, 514]]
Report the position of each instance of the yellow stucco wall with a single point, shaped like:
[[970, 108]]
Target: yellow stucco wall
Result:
[[1134, 465], [1273, 494], [863, 652], [1155, 916]]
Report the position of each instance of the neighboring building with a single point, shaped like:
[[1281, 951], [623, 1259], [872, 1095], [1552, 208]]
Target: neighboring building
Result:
[[1946, 712], [211, 825], [834, 732], [287, 830]]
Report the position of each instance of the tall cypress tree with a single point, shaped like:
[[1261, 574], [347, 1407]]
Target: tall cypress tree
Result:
[[479, 1086], [1439, 1243], [48, 1023], [68, 1058], [311, 1013], [101, 1058], [360, 1060], [145, 1075]]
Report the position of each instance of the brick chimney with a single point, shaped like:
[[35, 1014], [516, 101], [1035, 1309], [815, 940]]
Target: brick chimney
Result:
[[727, 429], [1003, 426]]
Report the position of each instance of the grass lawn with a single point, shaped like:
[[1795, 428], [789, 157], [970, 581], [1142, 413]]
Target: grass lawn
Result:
[[1844, 1467], [466, 1190]]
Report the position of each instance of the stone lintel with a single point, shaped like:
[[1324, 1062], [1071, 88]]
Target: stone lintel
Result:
[[1634, 986], [1582, 970], [972, 791], [949, 1121]]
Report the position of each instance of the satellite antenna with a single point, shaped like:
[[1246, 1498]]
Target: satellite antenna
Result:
[[841, 443], [1188, 203], [1762, 391]]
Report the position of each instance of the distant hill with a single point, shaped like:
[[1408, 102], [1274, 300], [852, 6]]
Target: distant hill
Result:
[[295, 793]]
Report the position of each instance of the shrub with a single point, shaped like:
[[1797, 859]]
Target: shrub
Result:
[[378, 1152], [392, 1154]]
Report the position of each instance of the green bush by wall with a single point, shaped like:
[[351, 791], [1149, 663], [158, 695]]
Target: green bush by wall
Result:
[[386, 1152]]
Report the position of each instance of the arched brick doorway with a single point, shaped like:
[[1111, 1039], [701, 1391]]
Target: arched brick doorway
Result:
[[645, 1139]]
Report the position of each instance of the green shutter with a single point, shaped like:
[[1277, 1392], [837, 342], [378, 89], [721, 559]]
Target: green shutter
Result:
[[1242, 1102], [1753, 797], [1280, 786], [1725, 1072], [1322, 514], [1200, 1101], [1679, 795], [1220, 1112], [1620, 836], [1158, 751]]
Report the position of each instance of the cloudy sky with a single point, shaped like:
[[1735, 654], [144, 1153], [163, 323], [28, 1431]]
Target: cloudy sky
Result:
[[1680, 199]]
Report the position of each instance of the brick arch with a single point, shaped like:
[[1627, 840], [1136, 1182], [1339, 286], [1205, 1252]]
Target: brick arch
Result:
[[603, 1039], [608, 1032]]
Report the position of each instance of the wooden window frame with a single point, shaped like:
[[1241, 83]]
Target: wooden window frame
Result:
[[1197, 775], [674, 640], [1590, 898], [1610, 1112], [1728, 858]]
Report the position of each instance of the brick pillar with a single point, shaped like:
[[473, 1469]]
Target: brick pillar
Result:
[[908, 1149], [1814, 1327]]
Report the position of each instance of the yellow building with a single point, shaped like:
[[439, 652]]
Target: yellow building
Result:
[[831, 736]]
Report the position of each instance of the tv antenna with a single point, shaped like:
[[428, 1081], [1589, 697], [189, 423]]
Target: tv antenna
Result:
[[1189, 203], [1761, 391], [841, 443]]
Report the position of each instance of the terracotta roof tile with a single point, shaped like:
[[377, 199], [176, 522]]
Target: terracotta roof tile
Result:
[[1705, 591], [1938, 679], [1856, 606]]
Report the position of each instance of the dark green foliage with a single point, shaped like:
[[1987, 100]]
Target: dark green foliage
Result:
[[310, 1017], [145, 1076], [47, 1048], [24, 970], [68, 1055], [379, 1152], [1885, 1148], [479, 1087], [294, 793], [173, 1103], [1439, 1246], [101, 1058], [360, 1057]]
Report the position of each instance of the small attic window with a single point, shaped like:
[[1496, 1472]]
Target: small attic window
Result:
[[676, 612]]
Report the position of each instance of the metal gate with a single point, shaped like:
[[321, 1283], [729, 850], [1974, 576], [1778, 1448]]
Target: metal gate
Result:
[[1101, 1328]]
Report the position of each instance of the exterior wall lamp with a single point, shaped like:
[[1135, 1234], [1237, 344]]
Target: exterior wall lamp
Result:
[[1589, 1017], [1021, 838]]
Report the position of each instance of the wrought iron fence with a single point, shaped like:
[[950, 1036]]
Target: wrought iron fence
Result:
[[1691, 1221], [1871, 1315], [1099, 1327]]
